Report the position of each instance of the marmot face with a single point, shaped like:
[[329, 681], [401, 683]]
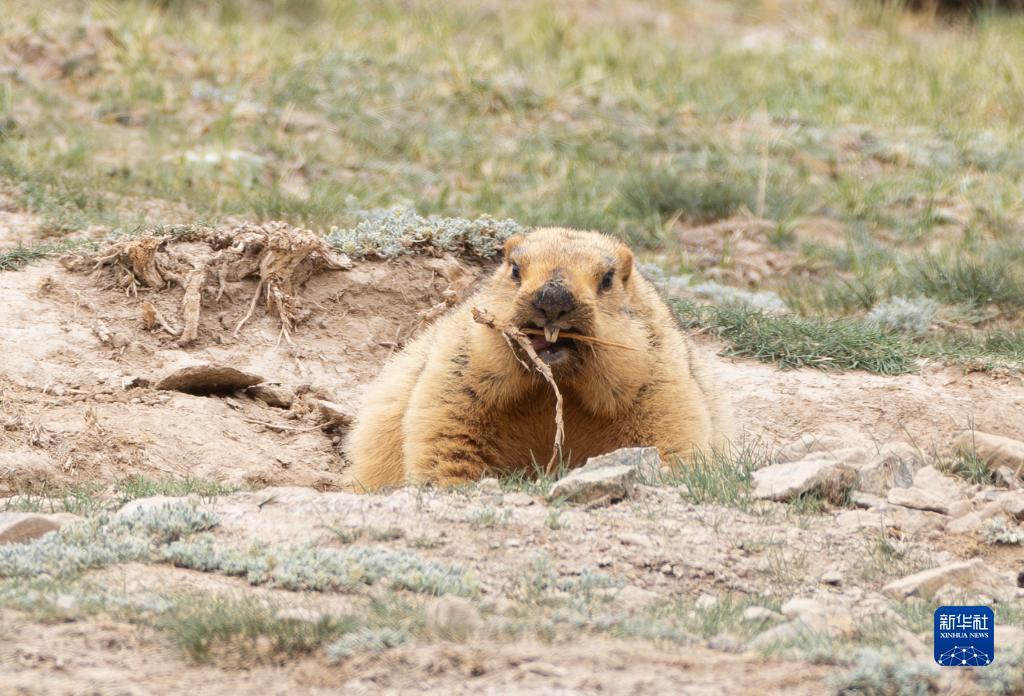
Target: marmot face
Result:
[[567, 281]]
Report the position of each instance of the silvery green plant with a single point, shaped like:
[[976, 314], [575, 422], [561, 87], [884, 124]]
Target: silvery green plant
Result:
[[387, 233], [901, 315]]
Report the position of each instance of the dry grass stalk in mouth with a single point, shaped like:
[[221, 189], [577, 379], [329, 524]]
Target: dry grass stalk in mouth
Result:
[[514, 333], [580, 337]]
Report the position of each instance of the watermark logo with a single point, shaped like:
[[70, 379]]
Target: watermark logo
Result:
[[965, 636]]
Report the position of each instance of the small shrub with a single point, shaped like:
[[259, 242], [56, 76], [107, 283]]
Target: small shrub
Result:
[[878, 673], [390, 232], [900, 315]]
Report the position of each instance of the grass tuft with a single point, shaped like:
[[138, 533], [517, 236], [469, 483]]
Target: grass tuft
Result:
[[791, 341]]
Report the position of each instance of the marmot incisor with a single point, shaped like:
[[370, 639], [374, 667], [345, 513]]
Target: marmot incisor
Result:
[[456, 403]]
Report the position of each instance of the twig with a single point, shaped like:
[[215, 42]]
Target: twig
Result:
[[286, 428], [513, 333], [581, 337]]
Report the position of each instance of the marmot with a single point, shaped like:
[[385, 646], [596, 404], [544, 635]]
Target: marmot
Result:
[[456, 403]]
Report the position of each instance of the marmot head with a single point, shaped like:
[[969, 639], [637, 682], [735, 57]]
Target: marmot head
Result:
[[565, 280]]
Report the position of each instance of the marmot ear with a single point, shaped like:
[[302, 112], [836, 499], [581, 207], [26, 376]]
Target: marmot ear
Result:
[[625, 259], [510, 245]]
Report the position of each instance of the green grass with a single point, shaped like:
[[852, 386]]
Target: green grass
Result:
[[791, 341], [719, 478], [899, 131]]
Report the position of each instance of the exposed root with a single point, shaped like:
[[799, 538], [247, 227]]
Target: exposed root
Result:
[[152, 318], [282, 257], [191, 303], [513, 333]]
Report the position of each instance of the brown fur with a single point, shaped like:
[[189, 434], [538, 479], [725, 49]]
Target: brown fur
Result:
[[456, 403]]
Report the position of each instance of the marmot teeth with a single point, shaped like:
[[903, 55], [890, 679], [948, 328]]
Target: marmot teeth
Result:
[[550, 334]]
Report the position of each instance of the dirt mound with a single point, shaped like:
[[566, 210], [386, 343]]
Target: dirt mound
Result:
[[88, 341]]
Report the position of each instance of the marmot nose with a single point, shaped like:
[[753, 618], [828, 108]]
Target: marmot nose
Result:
[[554, 300]]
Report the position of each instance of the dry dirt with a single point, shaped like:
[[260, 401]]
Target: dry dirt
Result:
[[79, 407]]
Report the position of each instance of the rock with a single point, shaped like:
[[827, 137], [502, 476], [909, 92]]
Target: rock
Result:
[[895, 465], [646, 461], [1013, 504], [608, 477], [860, 519], [19, 527], [932, 490], [705, 602], [913, 521], [207, 379], [972, 522], [777, 635], [809, 444], [972, 576], [633, 597], [453, 618], [783, 482], [866, 500], [273, 395], [603, 485], [834, 619], [25, 469], [918, 499], [995, 450], [335, 414], [726, 642], [832, 577], [632, 539], [760, 614], [139, 505]]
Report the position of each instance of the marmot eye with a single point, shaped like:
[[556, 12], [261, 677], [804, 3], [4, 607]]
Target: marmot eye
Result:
[[606, 281], [515, 272]]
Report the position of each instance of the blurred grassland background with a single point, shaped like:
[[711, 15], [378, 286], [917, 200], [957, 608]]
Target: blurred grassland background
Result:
[[857, 159]]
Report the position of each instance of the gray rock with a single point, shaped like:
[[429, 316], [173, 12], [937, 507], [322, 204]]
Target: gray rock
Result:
[[453, 618], [784, 482], [207, 379], [1013, 504], [19, 527], [971, 576], [25, 468], [866, 500], [918, 499], [832, 577], [932, 490], [633, 597], [726, 642], [604, 485], [760, 614], [894, 465], [153, 502], [335, 414], [706, 602], [646, 461], [608, 477], [808, 444], [995, 450], [274, 395]]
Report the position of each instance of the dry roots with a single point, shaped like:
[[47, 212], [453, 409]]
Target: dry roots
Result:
[[281, 256], [513, 333]]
